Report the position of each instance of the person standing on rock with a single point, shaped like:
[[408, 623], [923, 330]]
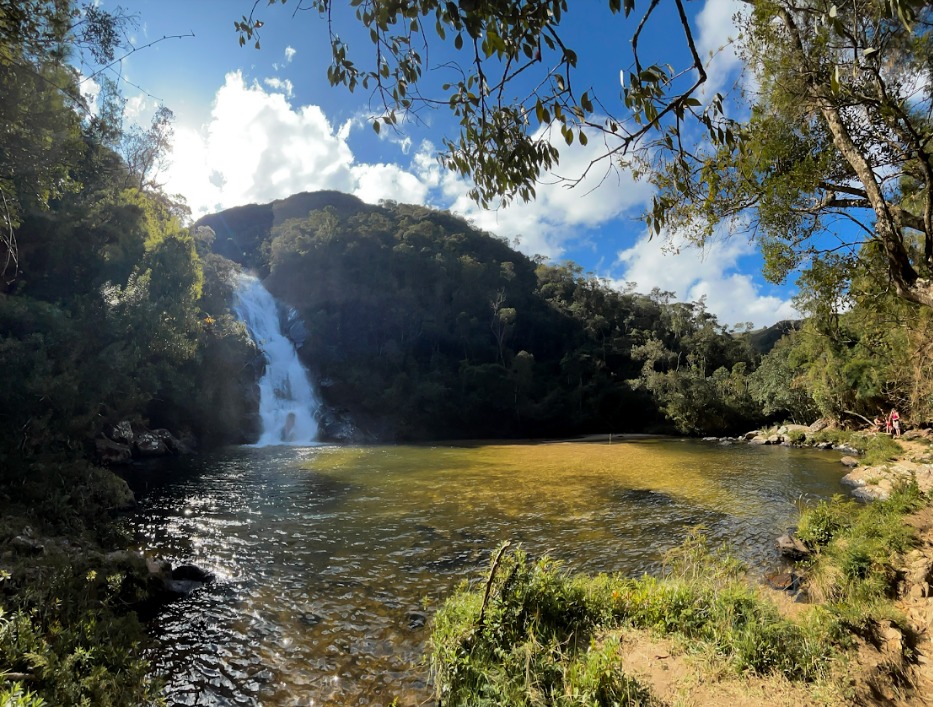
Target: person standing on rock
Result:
[[894, 423]]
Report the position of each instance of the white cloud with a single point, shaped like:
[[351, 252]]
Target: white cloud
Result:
[[290, 54], [376, 182], [257, 147], [90, 92], [136, 107], [715, 42], [281, 85], [676, 266], [559, 213]]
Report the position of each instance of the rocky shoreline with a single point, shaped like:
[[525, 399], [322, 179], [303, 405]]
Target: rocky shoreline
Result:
[[867, 482]]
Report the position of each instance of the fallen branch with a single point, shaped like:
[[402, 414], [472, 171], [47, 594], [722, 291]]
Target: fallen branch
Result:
[[492, 574], [855, 414]]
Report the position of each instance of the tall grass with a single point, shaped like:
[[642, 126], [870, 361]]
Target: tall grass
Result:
[[857, 546], [538, 635]]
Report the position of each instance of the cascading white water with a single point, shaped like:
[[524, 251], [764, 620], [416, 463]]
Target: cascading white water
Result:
[[287, 403]]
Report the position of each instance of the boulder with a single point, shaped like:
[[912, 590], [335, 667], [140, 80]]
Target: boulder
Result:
[[789, 545], [176, 583], [819, 425], [192, 573], [123, 432], [172, 443], [758, 440], [774, 439], [110, 452], [873, 492], [850, 462], [148, 444], [749, 436]]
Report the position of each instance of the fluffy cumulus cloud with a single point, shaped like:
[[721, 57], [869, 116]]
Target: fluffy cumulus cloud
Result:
[[256, 148], [716, 32], [673, 265], [560, 212]]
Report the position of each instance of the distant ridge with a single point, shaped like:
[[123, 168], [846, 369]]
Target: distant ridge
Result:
[[763, 340]]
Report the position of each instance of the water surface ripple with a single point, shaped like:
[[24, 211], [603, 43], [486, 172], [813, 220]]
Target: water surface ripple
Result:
[[331, 560]]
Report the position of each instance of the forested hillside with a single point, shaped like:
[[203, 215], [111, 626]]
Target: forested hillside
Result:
[[420, 326]]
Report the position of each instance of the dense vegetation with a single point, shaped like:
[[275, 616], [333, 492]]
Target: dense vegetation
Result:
[[533, 634], [423, 327]]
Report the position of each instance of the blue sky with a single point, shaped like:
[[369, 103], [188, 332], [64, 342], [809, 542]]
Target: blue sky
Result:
[[257, 125]]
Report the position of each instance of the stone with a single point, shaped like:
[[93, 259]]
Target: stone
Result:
[[774, 439], [850, 462], [819, 425], [870, 493], [749, 436], [110, 452], [192, 573], [149, 445], [758, 440], [181, 588], [123, 432], [783, 581], [853, 479], [789, 545]]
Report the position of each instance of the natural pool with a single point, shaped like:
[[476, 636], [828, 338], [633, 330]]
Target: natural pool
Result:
[[331, 560]]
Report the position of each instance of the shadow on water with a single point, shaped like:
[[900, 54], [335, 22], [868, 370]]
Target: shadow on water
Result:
[[330, 560]]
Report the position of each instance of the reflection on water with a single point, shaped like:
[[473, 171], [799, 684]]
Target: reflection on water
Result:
[[330, 560]]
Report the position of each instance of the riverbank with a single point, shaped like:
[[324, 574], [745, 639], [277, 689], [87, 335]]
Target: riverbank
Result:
[[685, 640]]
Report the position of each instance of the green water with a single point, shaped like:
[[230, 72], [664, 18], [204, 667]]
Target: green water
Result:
[[331, 560]]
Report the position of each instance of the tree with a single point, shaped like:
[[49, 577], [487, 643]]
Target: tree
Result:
[[837, 140], [832, 129]]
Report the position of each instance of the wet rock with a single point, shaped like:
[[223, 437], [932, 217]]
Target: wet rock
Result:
[[181, 588], [758, 440], [749, 436], [123, 432], [711, 439], [789, 545], [774, 439], [845, 449], [192, 573], [148, 444], [416, 620], [784, 581], [824, 445], [850, 462], [110, 452], [172, 443]]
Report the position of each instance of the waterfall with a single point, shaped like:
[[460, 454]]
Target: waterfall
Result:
[[287, 403]]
